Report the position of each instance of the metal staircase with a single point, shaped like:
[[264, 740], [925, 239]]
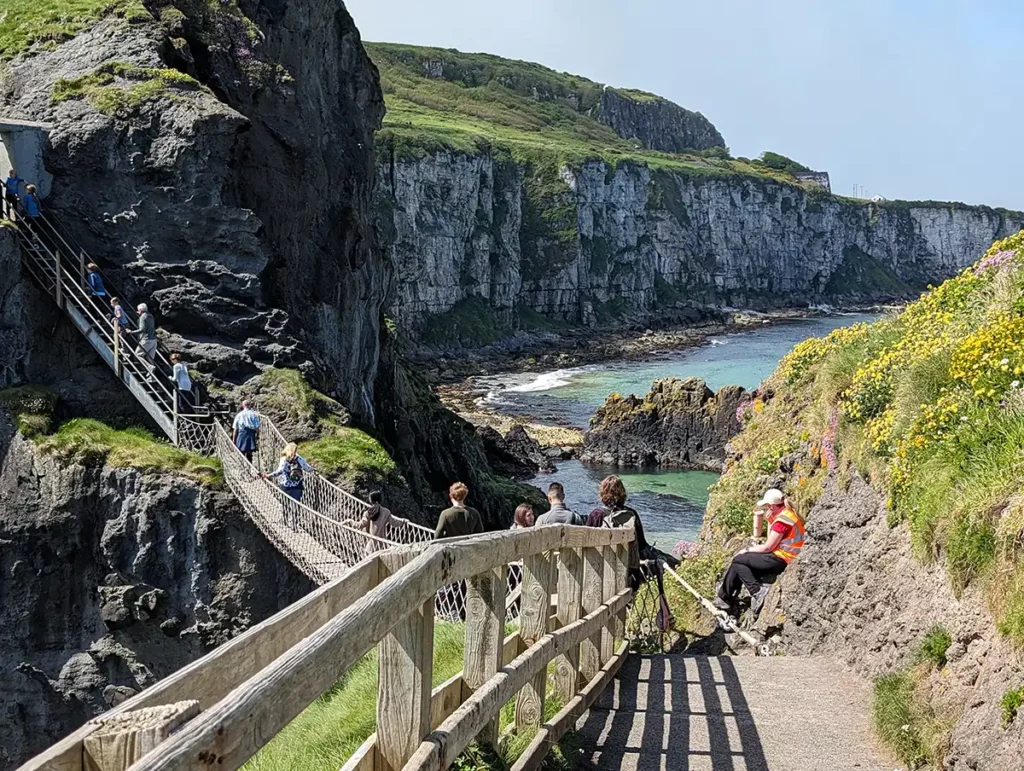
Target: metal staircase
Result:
[[58, 264]]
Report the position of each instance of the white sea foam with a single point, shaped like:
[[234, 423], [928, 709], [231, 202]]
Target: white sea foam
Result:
[[545, 382], [715, 341]]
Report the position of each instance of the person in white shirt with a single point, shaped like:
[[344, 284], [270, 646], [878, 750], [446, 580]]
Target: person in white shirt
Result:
[[183, 384], [245, 430]]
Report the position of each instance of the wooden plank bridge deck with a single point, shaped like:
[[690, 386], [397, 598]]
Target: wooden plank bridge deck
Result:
[[682, 713]]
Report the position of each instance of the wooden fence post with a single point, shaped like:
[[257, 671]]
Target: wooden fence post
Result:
[[485, 627], [592, 598], [403, 690], [570, 595], [609, 575], [621, 582], [534, 616]]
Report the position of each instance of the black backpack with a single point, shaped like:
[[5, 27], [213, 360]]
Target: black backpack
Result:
[[293, 472]]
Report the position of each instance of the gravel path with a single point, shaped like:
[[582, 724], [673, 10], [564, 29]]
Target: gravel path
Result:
[[683, 713]]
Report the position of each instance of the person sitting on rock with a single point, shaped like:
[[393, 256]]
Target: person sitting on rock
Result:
[[757, 566], [558, 514], [523, 517]]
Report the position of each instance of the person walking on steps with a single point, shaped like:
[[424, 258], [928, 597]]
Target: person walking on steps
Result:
[[558, 514], [34, 210], [182, 384], [523, 517], [757, 566], [245, 430], [376, 521], [147, 337], [290, 475], [120, 317], [459, 519], [12, 186], [613, 512], [94, 281]]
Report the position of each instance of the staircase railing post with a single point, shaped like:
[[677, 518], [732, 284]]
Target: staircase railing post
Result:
[[81, 268], [609, 575], [174, 417], [57, 291], [117, 348], [592, 598]]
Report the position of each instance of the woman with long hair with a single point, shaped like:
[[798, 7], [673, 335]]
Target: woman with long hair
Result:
[[523, 517]]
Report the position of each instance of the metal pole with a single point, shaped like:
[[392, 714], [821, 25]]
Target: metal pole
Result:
[[117, 347], [56, 275]]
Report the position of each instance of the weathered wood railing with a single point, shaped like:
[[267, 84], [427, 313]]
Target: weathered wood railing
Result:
[[252, 687]]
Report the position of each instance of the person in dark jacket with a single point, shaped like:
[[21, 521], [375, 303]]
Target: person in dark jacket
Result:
[[12, 186], [460, 519]]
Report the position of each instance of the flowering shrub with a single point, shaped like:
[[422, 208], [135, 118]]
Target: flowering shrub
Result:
[[989, 360], [798, 362]]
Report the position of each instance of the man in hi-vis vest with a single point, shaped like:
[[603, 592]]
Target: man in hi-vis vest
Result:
[[752, 566]]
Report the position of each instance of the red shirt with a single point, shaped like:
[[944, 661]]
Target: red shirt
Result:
[[782, 527]]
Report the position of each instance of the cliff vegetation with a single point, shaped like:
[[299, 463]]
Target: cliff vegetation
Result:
[[927, 406]]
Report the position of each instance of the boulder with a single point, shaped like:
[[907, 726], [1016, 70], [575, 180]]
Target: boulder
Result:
[[679, 424]]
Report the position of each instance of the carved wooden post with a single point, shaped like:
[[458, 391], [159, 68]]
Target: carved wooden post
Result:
[[533, 624], [485, 627], [592, 597], [621, 582], [120, 741], [570, 595], [403, 690], [609, 576]]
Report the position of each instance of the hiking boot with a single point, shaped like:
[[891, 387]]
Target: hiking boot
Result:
[[757, 599], [722, 604]]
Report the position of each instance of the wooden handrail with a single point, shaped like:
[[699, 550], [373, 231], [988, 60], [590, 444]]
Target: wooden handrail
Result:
[[252, 687]]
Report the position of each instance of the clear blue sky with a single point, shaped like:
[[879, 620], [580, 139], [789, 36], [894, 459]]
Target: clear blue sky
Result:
[[907, 98]]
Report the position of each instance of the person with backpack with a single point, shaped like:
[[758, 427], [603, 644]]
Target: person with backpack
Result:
[[290, 472], [94, 281], [613, 512]]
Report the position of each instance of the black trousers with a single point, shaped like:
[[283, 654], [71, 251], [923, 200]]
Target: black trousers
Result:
[[750, 570]]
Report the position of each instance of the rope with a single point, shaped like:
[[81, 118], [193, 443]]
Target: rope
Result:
[[727, 622]]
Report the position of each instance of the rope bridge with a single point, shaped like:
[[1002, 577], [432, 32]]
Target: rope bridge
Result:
[[321, 535]]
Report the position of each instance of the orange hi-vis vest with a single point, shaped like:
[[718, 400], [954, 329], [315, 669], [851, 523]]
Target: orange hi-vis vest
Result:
[[791, 546]]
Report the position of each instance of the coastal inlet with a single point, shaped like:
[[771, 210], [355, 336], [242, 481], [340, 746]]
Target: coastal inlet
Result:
[[670, 502]]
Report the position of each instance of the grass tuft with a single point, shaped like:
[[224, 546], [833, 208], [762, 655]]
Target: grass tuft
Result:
[[44, 23], [90, 441], [32, 408], [935, 645], [1011, 703], [116, 88]]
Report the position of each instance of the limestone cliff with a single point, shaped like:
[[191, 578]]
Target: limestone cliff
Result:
[[602, 243], [656, 122], [678, 424], [112, 579]]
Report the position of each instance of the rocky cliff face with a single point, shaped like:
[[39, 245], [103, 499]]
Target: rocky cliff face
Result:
[[857, 592], [237, 200], [658, 123], [679, 424], [600, 244], [112, 579]]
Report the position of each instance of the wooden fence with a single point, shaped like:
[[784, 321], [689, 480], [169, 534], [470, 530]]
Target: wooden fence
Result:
[[252, 687]]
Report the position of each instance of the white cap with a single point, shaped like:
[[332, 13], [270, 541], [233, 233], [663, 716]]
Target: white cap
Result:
[[773, 497]]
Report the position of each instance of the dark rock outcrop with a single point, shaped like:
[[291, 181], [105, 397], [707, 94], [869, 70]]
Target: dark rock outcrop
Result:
[[679, 424], [656, 122], [112, 579], [239, 205], [516, 454]]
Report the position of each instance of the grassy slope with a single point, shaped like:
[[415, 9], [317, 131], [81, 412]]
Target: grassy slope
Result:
[[28, 23], [929, 406]]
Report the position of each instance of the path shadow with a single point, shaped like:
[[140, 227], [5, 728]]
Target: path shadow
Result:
[[680, 713]]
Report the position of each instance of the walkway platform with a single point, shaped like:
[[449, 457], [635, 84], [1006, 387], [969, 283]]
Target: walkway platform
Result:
[[683, 713]]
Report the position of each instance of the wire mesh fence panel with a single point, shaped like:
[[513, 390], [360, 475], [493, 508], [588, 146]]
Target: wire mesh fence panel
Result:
[[647, 621]]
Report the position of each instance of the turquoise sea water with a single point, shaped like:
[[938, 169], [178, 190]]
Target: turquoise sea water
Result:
[[671, 503]]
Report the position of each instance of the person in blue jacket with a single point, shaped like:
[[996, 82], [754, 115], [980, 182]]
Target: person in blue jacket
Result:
[[12, 186], [94, 281], [34, 210]]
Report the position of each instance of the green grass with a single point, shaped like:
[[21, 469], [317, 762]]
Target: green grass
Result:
[[87, 440], [116, 88], [32, 408], [27, 23], [935, 645], [287, 393], [893, 710], [350, 454], [533, 321], [1011, 703]]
